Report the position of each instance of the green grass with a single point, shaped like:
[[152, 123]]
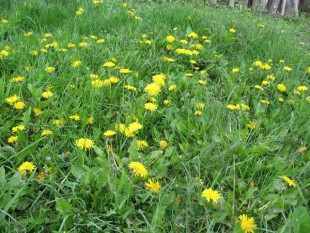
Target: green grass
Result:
[[94, 190]]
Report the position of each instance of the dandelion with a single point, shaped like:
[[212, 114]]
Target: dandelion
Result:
[[192, 35], [265, 102], [84, 143], [280, 99], [183, 41], [90, 121], [125, 5], [18, 128], [100, 41], [150, 106], [281, 87], [200, 105], [108, 64], [163, 144], [265, 83], [17, 79], [135, 126], [247, 224], [79, 11], [259, 87], [159, 79], [252, 125], [152, 89], [12, 139], [97, 2], [257, 63], [114, 80], [71, 45], [26, 166], [49, 69], [58, 122], [271, 77], [131, 88], [197, 113], [125, 71], [202, 82], [302, 88], [41, 175], [47, 94], [97, 83], [172, 87], [281, 61], [168, 59], [76, 64], [287, 68], [75, 117], [109, 133], [289, 181], [166, 102], [232, 30], [83, 44], [210, 194], [12, 99], [141, 144], [170, 38], [235, 70], [19, 105], [265, 66], [138, 169], [152, 185], [46, 132]]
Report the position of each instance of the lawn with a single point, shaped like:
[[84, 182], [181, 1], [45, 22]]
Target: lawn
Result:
[[152, 117]]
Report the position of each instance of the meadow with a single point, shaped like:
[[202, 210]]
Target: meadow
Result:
[[152, 117]]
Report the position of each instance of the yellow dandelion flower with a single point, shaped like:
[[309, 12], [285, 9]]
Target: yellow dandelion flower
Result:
[[76, 64], [26, 166], [47, 94], [152, 89], [281, 87], [265, 102], [141, 144], [100, 41], [125, 71], [280, 99], [232, 30], [168, 59], [163, 144], [247, 224], [152, 185], [108, 64], [265, 83], [41, 175], [19, 105], [150, 106], [197, 113], [58, 122], [235, 70], [84, 143], [192, 35], [79, 11], [252, 125], [169, 47], [90, 121], [170, 38], [257, 63], [71, 45], [131, 88], [97, 83], [166, 102], [183, 42], [210, 194], [302, 88], [114, 80], [265, 66], [172, 87], [202, 82], [12, 139], [287, 68], [46, 132], [138, 169], [289, 181], [83, 44], [159, 79], [17, 79], [75, 117], [18, 128], [12, 99], [200, 105], [49, 69], [109, 133]]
